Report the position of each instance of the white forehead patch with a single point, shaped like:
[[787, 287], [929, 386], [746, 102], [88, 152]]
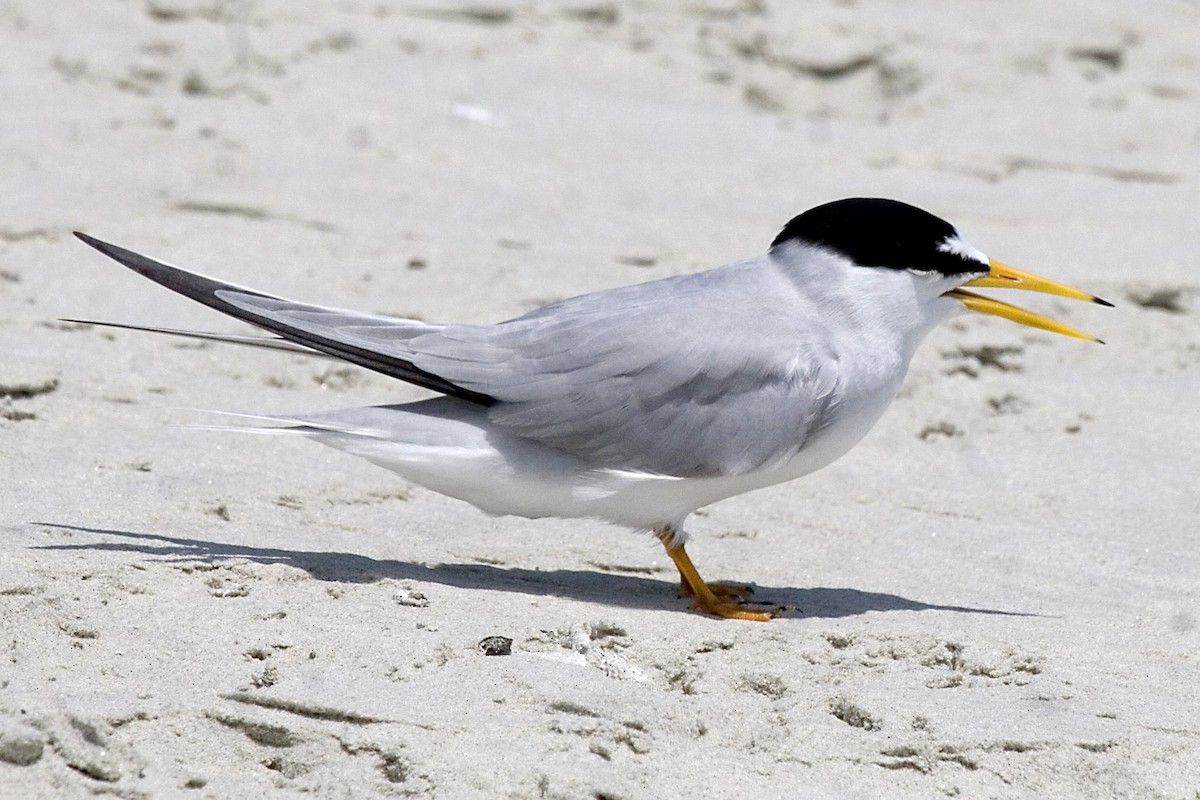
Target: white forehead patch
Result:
[[960, 247]]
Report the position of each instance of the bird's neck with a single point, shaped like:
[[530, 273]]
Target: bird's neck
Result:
[[881, 311]]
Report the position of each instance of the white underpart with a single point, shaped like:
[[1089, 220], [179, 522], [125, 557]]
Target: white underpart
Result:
[[458, 452]]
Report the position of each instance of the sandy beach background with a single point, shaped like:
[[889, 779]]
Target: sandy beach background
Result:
[[996, 593]]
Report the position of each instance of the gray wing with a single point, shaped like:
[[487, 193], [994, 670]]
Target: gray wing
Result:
[[716, 373]]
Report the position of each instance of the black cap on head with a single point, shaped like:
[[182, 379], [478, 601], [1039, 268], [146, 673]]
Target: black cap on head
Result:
[[877, 232]]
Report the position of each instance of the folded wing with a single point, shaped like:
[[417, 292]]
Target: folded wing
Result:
[[671, 377]]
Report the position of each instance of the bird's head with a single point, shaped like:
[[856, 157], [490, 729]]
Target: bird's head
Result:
[[883, 234]]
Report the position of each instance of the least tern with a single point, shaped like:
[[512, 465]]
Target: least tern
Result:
[[640, 404]]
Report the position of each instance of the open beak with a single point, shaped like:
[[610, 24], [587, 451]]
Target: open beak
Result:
[[1005, 277]]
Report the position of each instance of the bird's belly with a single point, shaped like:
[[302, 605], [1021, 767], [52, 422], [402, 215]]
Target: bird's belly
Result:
[[463, 455], [543, 482]]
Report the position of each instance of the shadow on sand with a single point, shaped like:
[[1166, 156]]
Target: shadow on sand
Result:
[[603, 588]]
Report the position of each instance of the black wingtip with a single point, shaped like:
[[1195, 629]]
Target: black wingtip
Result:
[[96, 244], [209, 292]]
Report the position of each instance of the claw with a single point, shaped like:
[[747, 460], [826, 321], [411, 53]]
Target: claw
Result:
[[712, 598]]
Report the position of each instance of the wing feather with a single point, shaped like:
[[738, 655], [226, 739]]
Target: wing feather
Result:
[[672, 377], [343, 334]]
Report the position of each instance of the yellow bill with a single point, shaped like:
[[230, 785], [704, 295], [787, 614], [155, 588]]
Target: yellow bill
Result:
[[1002, 276]]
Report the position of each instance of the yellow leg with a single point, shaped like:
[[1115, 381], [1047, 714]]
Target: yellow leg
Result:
[[735, 591], [703, 596]]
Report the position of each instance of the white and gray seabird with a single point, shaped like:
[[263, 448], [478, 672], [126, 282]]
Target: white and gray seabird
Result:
[[638, 405]]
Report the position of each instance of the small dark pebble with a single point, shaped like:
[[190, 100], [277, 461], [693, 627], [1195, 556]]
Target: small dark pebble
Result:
[[496, 646]]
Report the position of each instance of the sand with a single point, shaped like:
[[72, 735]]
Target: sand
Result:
[[996, 593]]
